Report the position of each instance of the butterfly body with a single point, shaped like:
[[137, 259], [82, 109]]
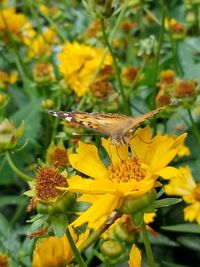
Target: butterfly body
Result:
[[119, 127]]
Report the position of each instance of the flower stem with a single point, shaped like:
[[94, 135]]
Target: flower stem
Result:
[[117, 69], [177, 64], [21, 174], [112, 34], [157, 58], [194, 126], [147, 245], [77, 255]]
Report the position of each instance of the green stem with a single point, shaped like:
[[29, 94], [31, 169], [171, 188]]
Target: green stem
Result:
[[112, 35], [177, 64], [194, 126], [147, 246], [77, 255], [117, 69], [55, 28], [21, 174], [157, 58], [95, 235], [197, 22], [133, 84]]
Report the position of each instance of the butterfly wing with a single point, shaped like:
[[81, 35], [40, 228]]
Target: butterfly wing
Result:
[[136, 121], [101, 122]]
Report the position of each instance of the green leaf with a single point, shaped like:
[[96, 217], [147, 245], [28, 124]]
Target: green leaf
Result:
[[166, 202], [31, 115], [162, 240], [59, 224], [190, 241], [12, 200], [186, 228]]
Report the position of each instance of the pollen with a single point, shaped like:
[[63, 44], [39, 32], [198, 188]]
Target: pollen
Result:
[[47, 181], [196, 192], [126, 170]]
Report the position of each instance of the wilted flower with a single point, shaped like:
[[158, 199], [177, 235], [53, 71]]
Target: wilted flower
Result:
[[177, 29], [57, 155], [3, 260], [186, 88]]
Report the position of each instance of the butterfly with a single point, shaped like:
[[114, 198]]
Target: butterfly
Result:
[[119, 127]]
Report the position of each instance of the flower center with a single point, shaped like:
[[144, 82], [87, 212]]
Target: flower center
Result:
[[196, 192], [47, 181], [126, 170]]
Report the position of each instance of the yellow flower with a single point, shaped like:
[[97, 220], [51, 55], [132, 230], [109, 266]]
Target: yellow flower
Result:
[[125, 177], [78, 64], [6, 79], [11, 22], [184, 185], [135, 257], [41, 45], [54, 251]]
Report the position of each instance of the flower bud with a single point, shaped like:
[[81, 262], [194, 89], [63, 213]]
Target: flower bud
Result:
[[148, 47], [125, 233], [111, 249], [100, 8], [43, 73], [130, 206], [9, 135], [62, 204], [48, 104]]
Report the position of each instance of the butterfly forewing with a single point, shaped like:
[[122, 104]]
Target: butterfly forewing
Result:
[[117, 126]]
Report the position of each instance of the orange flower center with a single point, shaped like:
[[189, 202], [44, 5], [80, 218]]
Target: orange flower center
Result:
[[126, 170], [47, 181], [196, 192]]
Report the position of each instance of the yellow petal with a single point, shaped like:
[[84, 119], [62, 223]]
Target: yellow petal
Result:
[[102, 207], [116, 154], [168, 172], [78, 184], [135, 257], [87, 161]]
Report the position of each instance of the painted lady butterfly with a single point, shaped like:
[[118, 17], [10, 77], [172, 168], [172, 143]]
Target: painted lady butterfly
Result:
[[119, 127]]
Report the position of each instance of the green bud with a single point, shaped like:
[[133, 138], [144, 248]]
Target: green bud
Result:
[[130, 206], [124, 234], [62, 204], [111, 249], [9, 135]]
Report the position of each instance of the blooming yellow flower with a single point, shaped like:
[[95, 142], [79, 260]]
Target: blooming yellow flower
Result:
[[78, 64], [127, 176], [135, 257], [54, 251], [184, 185], [41, 44], [11, 22]]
